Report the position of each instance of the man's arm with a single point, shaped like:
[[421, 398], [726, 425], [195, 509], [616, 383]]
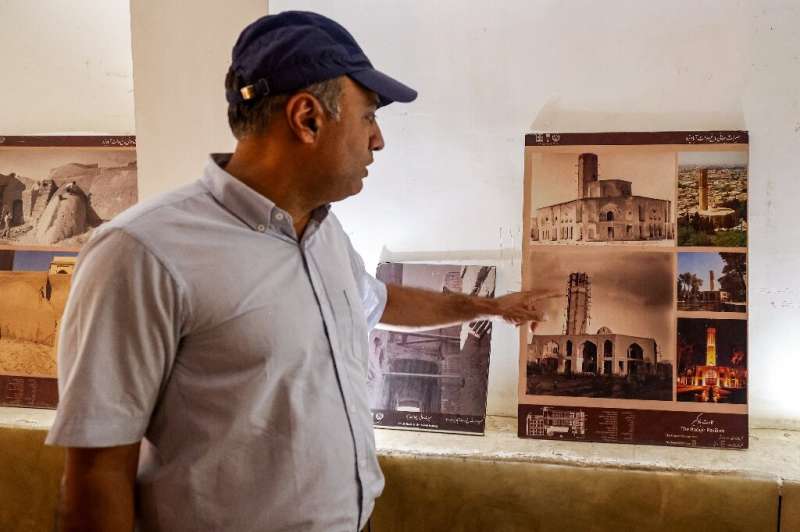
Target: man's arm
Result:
[[97, 489], [414, 307]]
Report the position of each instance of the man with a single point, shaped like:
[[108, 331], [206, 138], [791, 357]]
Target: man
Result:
[[376, 367], [212, 357], [6, 233]]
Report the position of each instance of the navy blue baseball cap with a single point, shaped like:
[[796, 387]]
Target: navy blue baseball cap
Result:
[[285, 52]]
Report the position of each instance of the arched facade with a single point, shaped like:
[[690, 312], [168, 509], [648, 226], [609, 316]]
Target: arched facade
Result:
[[588, 357], [599, 354]]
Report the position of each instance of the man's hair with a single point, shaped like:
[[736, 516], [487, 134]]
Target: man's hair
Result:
[[252, 117]]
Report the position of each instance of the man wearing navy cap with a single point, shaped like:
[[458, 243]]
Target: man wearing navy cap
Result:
[[213, 352]]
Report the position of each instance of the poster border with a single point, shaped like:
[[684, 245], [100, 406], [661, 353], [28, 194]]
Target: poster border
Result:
[[713, 140], [637, 138], [68, 141]]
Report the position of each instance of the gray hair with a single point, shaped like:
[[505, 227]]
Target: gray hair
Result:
[[252, 118]]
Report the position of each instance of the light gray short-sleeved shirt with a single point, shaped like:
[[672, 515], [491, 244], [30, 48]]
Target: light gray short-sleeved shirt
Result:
[[198, 322]]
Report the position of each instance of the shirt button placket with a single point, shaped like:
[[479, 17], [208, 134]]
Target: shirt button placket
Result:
[[355, 429]]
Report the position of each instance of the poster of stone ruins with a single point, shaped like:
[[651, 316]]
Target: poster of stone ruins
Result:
[[54, 191], [433, 379], [636, 252]]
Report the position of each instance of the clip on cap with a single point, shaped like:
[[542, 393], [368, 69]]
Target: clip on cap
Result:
[[247, 92], [259, 88]]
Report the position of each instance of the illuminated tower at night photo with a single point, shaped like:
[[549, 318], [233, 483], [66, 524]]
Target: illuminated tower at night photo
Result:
[[712, 360]]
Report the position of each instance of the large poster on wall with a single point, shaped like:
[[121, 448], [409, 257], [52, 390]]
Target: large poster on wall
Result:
[[54, 191], [432, 379], [636, 252]]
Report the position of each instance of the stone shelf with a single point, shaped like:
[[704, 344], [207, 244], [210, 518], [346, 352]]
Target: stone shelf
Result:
[[772, 453]]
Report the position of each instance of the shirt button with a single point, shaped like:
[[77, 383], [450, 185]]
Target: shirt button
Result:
[[261, 228], [279, 216], [352, 410]]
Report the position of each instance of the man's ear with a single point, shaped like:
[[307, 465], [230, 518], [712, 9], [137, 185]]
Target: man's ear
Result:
[[305, 115]]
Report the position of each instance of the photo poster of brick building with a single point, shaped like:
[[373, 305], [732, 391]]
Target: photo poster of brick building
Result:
[[432, 379], [636, 254], [54, 191]]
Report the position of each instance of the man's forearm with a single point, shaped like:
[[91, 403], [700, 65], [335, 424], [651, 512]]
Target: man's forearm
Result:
[[97, 491], [414, 307], [92, 507]]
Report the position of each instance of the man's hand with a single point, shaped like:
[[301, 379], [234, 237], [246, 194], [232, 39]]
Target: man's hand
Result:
[[517, 308], [413, 307]]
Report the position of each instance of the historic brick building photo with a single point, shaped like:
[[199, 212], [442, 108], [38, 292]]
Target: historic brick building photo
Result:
[[608, 328], [603, 210]]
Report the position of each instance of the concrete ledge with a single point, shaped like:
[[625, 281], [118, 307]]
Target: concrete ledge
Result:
[[26, 418], [773, 454]]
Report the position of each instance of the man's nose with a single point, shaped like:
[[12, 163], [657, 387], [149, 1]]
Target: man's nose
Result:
[[376, 140]]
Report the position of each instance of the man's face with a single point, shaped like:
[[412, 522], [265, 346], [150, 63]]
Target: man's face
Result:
[[346, 145]]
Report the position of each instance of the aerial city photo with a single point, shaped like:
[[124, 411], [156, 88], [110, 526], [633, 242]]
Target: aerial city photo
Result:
[[712, 199]]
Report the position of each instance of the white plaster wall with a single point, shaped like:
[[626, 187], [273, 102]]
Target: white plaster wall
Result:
[[66, 67], [449, 183], [181, 52]]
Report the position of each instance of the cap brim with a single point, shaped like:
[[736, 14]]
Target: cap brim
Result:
[[388, 89]]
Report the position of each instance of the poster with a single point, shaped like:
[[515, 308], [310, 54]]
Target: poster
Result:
[[636, 254], [432, 379], [54, 191]]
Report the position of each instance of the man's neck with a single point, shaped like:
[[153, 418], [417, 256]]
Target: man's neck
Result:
[[275, 180]]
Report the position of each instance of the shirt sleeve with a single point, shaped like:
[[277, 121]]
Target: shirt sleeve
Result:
[[117, 343], [371, 290]]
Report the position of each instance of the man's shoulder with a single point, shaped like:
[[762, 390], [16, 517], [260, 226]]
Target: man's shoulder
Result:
[[154, 228], [156, 215]]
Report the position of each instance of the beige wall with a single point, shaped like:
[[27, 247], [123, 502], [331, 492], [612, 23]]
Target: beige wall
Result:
[[66, 67], [181, 52]]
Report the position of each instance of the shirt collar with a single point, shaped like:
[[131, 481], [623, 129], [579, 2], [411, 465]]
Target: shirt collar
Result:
[[254, 209]]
